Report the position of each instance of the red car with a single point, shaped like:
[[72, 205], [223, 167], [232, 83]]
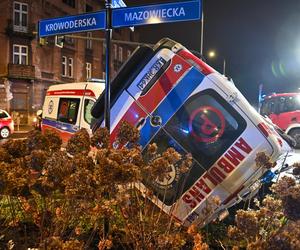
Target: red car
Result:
[[6, 124]]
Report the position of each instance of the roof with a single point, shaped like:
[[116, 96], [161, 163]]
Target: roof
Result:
[[96, 87]]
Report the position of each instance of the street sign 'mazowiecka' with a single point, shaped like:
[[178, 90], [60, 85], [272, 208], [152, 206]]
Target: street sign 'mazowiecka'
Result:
[[157, 13]]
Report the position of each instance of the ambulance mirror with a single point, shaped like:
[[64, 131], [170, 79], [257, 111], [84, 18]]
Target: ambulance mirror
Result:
[[39, 112]]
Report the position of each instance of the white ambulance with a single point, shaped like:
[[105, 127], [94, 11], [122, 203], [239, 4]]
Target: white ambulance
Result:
[[67, 107], [177, 100]]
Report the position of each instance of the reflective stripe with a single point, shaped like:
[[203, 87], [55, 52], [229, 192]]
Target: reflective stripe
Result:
[[168, 107]]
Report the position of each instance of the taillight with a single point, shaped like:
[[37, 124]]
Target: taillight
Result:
[[195, 61]]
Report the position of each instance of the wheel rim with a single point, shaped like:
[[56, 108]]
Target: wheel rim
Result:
[[4, 133]]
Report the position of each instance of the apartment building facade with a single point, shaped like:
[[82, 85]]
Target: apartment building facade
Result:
[[28, 65]]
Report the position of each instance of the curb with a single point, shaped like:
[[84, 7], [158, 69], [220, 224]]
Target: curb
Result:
[[21, 132]]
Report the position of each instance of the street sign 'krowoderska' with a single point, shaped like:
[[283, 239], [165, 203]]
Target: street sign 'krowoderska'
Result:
[[158, 13], [72, 24]]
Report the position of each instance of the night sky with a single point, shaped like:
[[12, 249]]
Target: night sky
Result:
[[259, 39]]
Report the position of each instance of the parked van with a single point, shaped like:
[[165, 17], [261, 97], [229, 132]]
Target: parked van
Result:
[[67, 107], [177, 100]]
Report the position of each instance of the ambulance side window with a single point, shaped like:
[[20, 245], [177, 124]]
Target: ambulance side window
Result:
[[88, 104], [68, 110]]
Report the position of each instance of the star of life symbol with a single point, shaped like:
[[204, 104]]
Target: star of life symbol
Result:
[[168, 179], [177, 68]]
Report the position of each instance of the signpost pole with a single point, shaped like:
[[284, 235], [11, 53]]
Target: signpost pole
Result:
[[202, 34], [108, 33]]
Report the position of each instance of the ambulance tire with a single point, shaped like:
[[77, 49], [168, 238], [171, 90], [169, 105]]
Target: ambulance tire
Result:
[[295, 133]]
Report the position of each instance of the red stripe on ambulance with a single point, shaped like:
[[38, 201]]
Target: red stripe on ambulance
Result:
[[163, 86], [229, 161], [133, 115], [77, 92]]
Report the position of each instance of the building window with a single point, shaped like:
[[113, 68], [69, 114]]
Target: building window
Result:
[[89, 42], [70, 67], [64, 66], [69, 40], [88, 8], [88, 70], [120, 54], [71, 3], [115, 47], [20, 17], [128, 53], [20, 54]]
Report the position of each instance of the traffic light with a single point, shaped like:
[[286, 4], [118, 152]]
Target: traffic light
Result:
[[59, 41]]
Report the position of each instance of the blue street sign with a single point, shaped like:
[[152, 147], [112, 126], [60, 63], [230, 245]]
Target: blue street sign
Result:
[[118, 4], [159, 13], [72, 24]]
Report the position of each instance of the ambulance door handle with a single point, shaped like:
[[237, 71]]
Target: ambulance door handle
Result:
[[141, 123]]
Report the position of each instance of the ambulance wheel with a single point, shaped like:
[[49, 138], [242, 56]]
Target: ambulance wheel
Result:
[[295, 133], [4, 133]]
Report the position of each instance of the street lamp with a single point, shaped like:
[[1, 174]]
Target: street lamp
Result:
[[213, 54]]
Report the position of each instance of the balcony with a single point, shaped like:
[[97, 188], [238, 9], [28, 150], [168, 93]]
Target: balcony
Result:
[[24, 31], [117, 64], [21, 71]]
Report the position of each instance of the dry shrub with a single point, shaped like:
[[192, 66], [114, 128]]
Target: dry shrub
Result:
[[289, 192], [67, 195], [100, 138], [80, 142], [198, 239], [36, 141], [275, 224], [16, 148], [128, 134], [263, 160], [53, 139]]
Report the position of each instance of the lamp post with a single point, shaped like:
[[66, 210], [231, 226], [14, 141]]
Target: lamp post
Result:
[[213, 54]]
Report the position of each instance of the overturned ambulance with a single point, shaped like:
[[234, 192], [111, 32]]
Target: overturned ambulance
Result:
[[177, 100]]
